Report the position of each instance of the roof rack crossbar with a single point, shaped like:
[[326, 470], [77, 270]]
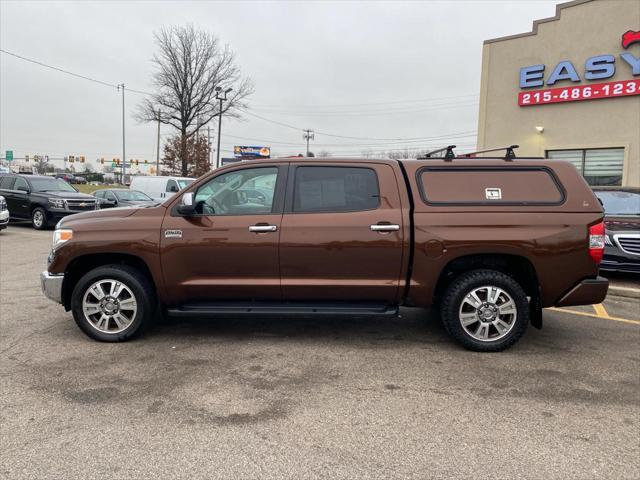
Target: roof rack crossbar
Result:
[[449, 155], [509, 152]]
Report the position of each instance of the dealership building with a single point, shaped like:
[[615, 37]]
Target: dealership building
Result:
[[569, 89]]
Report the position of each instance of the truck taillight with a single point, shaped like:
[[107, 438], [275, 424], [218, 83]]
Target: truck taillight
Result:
[[596, 241]]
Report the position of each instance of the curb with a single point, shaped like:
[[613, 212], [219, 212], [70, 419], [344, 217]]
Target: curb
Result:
[[627, 292]]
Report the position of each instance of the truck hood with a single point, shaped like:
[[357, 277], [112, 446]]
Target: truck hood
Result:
[[67, 195], [78, 219]]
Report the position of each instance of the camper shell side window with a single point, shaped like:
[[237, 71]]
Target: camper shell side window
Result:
[[489, 185]]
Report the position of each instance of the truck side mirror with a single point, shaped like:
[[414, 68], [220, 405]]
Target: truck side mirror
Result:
[[173, 188], [186, 206]]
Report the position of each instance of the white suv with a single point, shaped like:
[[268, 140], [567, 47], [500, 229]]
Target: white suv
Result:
[[4, 213]]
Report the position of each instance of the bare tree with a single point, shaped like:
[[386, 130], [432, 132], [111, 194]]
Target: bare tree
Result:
[[189, 66], [42, 165], [403, 153]]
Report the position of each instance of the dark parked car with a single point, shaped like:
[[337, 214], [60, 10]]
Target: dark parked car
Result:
[[67, 177], [122, 197], [622, 223], [43, 200]]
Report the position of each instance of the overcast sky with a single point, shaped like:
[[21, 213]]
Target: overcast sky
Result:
[[373, 70]]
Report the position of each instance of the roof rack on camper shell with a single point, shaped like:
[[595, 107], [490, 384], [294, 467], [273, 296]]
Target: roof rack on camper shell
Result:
[[450, 155], [509, 154]]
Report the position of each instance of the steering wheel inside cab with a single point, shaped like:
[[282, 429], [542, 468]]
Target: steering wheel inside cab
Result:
[[210, 206]]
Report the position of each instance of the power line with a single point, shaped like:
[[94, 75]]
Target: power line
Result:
[[476, 95], [386, 111], [62, 70], [335, 135], [408, 143], [59, 69]]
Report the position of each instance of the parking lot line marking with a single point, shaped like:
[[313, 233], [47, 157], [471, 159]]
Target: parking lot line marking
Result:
[[600, 310], [593, 315]]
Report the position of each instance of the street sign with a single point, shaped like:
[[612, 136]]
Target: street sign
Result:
[[119, 165], [8, 155]]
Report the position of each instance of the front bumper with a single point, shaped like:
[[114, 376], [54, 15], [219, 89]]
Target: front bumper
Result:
[[4, 218], [587, 292], [620, 266], [52, 286]]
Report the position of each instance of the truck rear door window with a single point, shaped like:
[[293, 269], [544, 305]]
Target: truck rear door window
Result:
[[335, 189], [489, 185]]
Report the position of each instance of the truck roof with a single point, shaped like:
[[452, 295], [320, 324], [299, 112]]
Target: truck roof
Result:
[[462, 161]]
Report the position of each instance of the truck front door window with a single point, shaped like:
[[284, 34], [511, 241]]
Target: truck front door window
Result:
[[241, 192]]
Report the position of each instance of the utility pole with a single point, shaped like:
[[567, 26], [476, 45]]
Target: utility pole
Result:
[[308, 135], [124, 158], [221, 98], [158, 147], [209, 144]]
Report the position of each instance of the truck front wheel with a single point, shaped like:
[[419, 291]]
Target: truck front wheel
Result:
[[485, 310], [113, 303]]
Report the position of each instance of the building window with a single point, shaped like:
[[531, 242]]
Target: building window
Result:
[[599, 166]]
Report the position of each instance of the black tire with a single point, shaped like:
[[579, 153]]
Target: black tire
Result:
[[466, 283], [143, 293], [39, 218]]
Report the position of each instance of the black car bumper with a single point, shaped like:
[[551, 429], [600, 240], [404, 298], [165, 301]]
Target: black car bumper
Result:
[[54, 215], [613, 265], [618, 259]]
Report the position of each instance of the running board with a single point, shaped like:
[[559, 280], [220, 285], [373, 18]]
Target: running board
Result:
[[210, 309]]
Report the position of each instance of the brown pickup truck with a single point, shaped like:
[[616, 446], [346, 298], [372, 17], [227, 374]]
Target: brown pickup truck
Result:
[[490, 241]]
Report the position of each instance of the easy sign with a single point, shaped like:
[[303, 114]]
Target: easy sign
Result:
[[598, 67]]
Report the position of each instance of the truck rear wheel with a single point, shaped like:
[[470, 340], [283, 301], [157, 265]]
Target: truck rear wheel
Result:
[[485, 310], [113, 303]]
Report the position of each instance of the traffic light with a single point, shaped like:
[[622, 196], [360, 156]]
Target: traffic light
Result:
[[71, 158], [137, 162], [146, 162], [26, 158], [81, 158], [102, 160]]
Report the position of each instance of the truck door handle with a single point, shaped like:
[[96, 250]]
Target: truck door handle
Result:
[[384, 227], [263, 228]]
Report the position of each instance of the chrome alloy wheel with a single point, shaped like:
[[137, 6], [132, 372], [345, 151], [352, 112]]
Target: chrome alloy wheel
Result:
[[487, 313], [109, 306], [38, 218]]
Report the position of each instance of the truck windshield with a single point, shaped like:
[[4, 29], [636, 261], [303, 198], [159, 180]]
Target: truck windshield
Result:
[[620, 203], [50, 185]]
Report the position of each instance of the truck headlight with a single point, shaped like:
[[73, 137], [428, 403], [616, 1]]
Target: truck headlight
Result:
[[56, 203], [61, 236]]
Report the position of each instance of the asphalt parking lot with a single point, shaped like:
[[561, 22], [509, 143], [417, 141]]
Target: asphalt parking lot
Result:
[[295, 398]]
